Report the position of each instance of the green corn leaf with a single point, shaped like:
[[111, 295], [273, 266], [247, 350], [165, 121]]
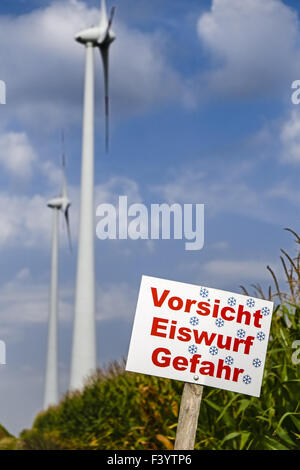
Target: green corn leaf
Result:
[[230, 436]]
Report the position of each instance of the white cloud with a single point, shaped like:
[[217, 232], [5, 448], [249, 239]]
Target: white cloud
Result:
[[17, 155], [285, 190], [241, 190], [238, 269], [229, 192], [52, 173], [43, 66], [222, 245], [24, 299], [116, 301], [253, 45], [230, 274], [116, 186], [290, 138], [25, 221]]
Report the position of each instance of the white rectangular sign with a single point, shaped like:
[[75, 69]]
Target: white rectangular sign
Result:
[[200, 335]]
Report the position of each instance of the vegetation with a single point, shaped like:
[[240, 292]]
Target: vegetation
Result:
[[7, 441], [3, 432], [120, 410]]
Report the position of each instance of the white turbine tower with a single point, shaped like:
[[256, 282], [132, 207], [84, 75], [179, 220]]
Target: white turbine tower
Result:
[[83, 361], [61, 203]]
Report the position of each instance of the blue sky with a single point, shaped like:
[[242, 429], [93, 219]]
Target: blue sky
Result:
[[201, 113]]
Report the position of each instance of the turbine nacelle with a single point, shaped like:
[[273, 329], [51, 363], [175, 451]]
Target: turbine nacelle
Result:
[[88, 35], [63, 204], [101, 34], [96, 35], [60, 203]]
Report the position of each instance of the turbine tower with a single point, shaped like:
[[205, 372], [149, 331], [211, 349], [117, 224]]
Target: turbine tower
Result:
[[83, 361], [61, 203]]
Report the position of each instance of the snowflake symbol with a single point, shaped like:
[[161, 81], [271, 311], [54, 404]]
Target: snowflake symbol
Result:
[[250, 303], [247, 379], [220, 322], [213, 350], [265, 311], [194, 321], [256, 362], [192, 349], [260, 336], [231, 301], [229, 360], [241, 333], [203, 292]]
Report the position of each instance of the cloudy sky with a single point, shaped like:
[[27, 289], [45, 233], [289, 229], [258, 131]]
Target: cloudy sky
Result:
[[201, 113]]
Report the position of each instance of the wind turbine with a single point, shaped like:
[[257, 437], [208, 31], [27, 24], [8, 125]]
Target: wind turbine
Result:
[[59, 204], [83, 361]]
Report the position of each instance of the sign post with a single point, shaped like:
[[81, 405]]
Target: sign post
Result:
[[201, 336], [188, 417]]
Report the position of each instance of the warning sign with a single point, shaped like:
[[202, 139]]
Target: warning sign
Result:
[[200, 335]]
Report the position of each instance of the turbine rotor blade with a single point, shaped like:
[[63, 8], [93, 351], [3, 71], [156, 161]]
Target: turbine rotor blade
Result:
[[104, 51], [63, 158], [67, 219], [112, 13], [63, 163], [103, 11]]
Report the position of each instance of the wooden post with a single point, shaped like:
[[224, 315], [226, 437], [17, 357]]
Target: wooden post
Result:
[[188, 417]]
